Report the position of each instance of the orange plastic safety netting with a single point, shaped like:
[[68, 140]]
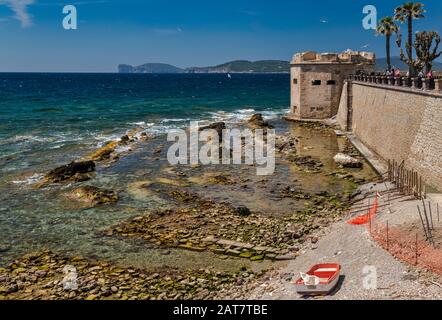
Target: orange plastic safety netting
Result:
[[409, 247], [364, 219]]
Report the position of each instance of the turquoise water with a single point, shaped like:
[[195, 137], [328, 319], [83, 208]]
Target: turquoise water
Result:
[[51, 115], [47, 120]]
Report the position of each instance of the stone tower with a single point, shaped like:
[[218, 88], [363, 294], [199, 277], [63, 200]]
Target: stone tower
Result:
[[317, 81]]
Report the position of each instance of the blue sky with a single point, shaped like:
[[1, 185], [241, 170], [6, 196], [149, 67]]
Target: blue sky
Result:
[[184, 33]]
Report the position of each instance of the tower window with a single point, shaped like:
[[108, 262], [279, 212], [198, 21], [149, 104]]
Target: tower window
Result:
[[331, 82], [316, 82], [295, 81]]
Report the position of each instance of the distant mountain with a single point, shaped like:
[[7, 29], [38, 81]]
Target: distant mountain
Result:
[[244, 66], [149, 68], [381, 64], [237, 66]]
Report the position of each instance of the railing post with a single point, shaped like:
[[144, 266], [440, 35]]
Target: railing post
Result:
[[398, 81], [405, 81], [438, 85], [391, 81], [426, 84], [414, 83]]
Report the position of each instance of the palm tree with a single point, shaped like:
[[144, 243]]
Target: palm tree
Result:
[[406, 13], [387, 27]]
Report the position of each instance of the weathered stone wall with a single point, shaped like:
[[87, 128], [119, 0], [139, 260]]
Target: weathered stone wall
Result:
[[316, 100], [321, 101], [295, 91], [399, 124], [343, 112]]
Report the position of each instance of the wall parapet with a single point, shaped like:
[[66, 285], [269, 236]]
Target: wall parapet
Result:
[[416, 85], [396, 122]]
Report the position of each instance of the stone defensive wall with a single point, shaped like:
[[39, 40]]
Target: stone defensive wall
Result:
[[398, 119]]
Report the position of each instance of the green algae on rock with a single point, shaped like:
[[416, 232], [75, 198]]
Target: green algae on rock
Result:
[[42, 276]]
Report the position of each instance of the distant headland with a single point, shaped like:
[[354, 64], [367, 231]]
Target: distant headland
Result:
[[236, 66], [243, 66]]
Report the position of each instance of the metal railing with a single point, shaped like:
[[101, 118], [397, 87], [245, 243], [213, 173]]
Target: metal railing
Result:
[[433, 84]]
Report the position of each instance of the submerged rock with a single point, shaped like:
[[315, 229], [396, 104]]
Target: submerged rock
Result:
[[73, 172], [347, 161], [243, 211], [104, 152], [223, 180], [93, 195], [307, 163], [125, 139], [144, 137], [286, 144]]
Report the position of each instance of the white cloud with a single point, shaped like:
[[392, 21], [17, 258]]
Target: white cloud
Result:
[[20, 8]]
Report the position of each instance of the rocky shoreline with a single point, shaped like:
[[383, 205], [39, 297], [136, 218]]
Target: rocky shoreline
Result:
[[260, 219], [228, 230], [45, 276]]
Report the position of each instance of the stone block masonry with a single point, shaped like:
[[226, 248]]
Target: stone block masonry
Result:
[[397, 123], [317, 79]]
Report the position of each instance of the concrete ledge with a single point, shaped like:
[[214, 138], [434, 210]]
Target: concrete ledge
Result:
[[293, 118], [296, 119], [375, 161]]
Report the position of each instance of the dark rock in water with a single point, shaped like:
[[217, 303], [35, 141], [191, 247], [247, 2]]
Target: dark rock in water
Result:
[[243, 211], [257, 122], [223, 180], [218, 127], [307, 162], [75, 171], [144, 136], [4, 248], [104, 152], [125, 139], [286, 144], [183, 196], [93, 195]]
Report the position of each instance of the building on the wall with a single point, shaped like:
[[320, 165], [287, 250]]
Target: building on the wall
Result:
[[317, 80]]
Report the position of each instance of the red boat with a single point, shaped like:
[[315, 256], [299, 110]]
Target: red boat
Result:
[[319, 280]]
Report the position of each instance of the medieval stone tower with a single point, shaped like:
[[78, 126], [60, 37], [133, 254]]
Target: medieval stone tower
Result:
[[317, 81]]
